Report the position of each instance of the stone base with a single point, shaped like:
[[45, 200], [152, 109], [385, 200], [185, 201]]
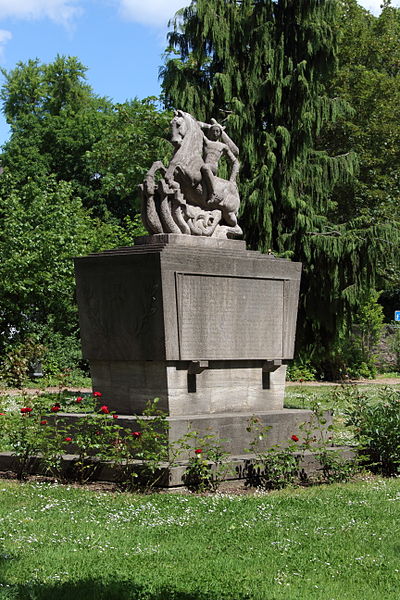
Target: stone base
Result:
[[229, 429], [201, 323], [172, 476], [184, 389]]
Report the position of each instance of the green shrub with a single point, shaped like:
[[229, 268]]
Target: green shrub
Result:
[[274, 467], [301, 370], [143, 456], [27, 433], [208, 467], [377, 430], [394, 343]]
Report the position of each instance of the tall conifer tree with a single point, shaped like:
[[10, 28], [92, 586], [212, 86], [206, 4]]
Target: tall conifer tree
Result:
[[261, 66]]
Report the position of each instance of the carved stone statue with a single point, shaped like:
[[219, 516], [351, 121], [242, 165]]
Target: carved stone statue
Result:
[[189, 197]]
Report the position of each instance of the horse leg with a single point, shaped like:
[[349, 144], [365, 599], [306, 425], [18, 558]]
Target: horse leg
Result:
[[150, 216], [178, 215], [168, 223]]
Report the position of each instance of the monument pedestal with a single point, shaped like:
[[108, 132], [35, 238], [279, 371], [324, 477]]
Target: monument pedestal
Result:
[[200, 323]]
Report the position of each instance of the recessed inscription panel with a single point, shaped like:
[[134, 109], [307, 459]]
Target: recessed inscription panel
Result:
[[229, 317]]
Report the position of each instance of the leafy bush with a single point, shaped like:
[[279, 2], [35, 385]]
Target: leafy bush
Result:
[[208, 467], [301, 370], [354, 355], [143, 456], [27, 433], [394, 343], [274, 467], [377, 430], [278, 466]]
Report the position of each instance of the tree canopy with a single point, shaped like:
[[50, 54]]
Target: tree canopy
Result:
[[265, 69], [68, 187], [60, 127]]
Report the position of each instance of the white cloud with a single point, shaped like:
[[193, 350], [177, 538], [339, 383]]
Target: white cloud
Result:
[[374, 5], [60, 11], [5, 36], [158, 12], [150, 12]]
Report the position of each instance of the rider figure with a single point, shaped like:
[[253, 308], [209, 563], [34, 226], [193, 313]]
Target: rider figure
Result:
[[216, 144]]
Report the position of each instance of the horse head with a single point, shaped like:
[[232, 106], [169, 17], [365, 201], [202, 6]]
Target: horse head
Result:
[[179, 128]]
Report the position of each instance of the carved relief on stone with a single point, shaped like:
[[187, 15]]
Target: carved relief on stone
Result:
[[188, 197]]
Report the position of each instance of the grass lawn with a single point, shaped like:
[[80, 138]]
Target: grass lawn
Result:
[[334, 542], [335, 398], [330, 396]]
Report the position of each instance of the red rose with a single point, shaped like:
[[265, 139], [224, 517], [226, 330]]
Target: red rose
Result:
[[198, 451], [136, 434], [79, 399], [97, 394], [26, 409], [68, 439], [2, 414], [294, 438], [115, 416], [105, 410], [55, 408], [44, 422]]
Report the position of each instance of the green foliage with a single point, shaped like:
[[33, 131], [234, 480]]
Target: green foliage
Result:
[[36, 431], [355, 353], [335, 468], [301, 370], [68, 188], [266, 70], [280, 465], [197, 475], [18, 361], [208, 467], [43, 227], [394, 343], [377, 429], [134, 137], [61, 128], [143, 456], [275, 467], [369, 78], [27, 434], [93, 438]]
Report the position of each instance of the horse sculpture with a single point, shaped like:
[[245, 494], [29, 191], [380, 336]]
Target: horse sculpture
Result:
[[188, 197]]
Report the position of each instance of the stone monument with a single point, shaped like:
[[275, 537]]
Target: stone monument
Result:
[[189, 315]]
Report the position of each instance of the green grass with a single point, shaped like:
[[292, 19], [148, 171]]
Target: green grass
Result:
[[339, 542], [329, 396], [334, 398], [73, 380]]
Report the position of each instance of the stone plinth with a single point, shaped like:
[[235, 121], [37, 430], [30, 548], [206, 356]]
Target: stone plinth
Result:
[[201, 323]]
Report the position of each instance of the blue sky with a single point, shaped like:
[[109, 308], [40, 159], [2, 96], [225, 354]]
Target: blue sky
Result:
[[120, 41]]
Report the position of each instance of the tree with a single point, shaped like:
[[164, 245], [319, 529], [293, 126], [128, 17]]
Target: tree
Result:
[[369, 79], [134, 138], [264, 69], [60, 127], [68, 187], [43, 226]]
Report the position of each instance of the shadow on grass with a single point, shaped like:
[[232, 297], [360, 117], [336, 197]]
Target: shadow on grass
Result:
[[95, 590]]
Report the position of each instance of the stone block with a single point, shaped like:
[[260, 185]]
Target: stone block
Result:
[[201, 323]]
